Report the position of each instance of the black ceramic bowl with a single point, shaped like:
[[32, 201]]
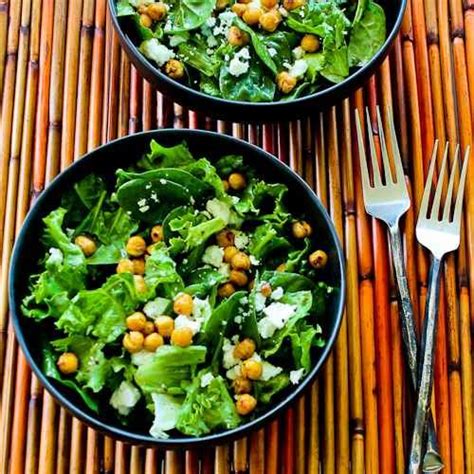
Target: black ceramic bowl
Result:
[[122, 153], [238, 111]]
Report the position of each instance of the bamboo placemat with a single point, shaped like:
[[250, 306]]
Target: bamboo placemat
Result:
[[66, 87]]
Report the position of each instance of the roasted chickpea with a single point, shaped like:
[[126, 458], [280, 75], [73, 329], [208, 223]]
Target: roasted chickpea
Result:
[[242, 385], [266, 289], [301, 229], [157, 11], [156, 233], [225, 183], [225, 290], [138, 266], [318, 259], [183, 304], [153, 341], [270, 20], [182, 337], [125, 266], [140, 284], [133, 341], [238, 278], [237, 37], [225, 238], [310, 43], [221, 4], [68, 363], [174, 69], [240, 261], [164, 325], [237, 181], [281, 267], [285, 82], [252, 15], [229, 252], [239, 8], [86, 244], [252, 369], [136, 246], [292, 4], [244, 349], [149, 328], [136, 321], [145, 20], [245, 404], [269, 3]]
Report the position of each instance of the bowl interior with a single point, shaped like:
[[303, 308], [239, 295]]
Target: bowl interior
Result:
[[122, 153]]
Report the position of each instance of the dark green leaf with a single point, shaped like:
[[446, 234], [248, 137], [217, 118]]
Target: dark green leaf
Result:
[[166, 157], [265, 391], [189, 14]]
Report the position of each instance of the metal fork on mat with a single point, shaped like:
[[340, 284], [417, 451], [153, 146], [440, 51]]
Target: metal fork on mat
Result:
[[440, 236], [389, 201]]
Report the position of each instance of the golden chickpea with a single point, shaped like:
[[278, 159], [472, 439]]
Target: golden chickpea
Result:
[[269, 3], [244, 1], [157, 11], [156, 233], [242, 385], [145, 20], [293, 4], [164, 325], [133, 341], [301, 229], [125, 266], [142, 8], [270, 20], [318, 259], [238, 278], [183, 304], [182, 337], [285, 82], [153, 341], [86, 244], [229, 252], [266, 289], [140, 283], [310, 43], [225, 290], [68, 363], [138, 266], [252, 15], [136, 246], [149, 328], [245, 404], [237, 181], [225, 183], [237, 37], [221, 4], [225, 238], [244, 349], [136, 321], [174, 69], [240, 261], [281, 267], [252, 369], [239, 8]]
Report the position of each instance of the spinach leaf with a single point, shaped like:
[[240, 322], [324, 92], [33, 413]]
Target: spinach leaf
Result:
[[195, 55], [266, 390], [297, 257], [301, 342], [166, 157], [124, 8], [206, 172], [203, 280], [249, 326], [290, 282], [283, 43], [316, 63], [189, 14], [361, 6], [265, 241], [209, 85], [336, 66], [368, 35]]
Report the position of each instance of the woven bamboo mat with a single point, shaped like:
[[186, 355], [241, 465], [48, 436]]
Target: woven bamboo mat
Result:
[[66, 87]]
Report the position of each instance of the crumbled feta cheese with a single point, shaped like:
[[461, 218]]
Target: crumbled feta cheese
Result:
[[156, 51], [299, 68], [218, 208], [243, 300], [296, 375], [154, 197], [234, 372], [55, 256], [283, 12], [162, 181], [211, 41], [156, 307], [235, 339], [239, 63], [238, 320], [211, 21], [183, 321], [148, 186], [141, 202], [143, 208], [225, 22], [241, 240], [201, 309], [228, 359], [276, 316], [224, 269], [235, 199], [298, 52], [206, 379], [269, 371], [254, 261], [259, 301], [213, 255], [287, 65], [125, 397], [277, 293], [272, 52], [226, 57]]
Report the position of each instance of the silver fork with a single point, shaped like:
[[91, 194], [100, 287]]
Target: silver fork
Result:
[[389, 202], [439, 236]]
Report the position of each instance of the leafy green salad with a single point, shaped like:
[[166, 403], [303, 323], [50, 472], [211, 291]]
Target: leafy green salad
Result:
[[256, 50], [182, 292]]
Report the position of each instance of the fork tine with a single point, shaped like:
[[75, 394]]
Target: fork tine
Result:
[[439, 186], [383, 146], [373, 154], [460, 195], [449, 194], [362, 156], [429, 181], [397, 159]]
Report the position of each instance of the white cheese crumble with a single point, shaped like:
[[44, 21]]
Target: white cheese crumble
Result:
[[234, 372], [296, 375], [156, 51], [55, 256], [269, 371], [228, 359], [213, 255], [143, 208], [276, 316], [254, 261], [283, 11], [211, 41], [218, 208], [225, 22], [299, 68], [298, 52], [277, 293], [239, 63], [141, 202], [125, 397], [224, 269], [235, 339], [238, 320], [211, 21], [259, 301], [241, 240], [183, 321], [201, 309], [206, 379], [272, 52]]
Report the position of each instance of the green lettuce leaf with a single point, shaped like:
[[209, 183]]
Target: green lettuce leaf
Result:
[[266, 390], [166, 157], [166, 409], [266, 240], [302, 340]]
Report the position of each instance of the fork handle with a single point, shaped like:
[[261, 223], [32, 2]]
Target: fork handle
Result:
[[426, 367], [432, 460]]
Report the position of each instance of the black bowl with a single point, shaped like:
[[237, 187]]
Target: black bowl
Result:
[[239, 111], [122, 153]]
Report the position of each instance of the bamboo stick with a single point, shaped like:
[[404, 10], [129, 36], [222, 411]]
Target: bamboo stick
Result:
[[3, 42], [257, 452], [271, 443], [32, 442], [47, 449], [64, 425]]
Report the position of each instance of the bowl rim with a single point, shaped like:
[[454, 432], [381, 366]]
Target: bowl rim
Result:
[[185, 89], [123, 433]]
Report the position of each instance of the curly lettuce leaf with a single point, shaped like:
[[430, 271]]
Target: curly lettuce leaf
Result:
[[266, 390], [161, 156], [302, 340], [266, 240], [166, 409]]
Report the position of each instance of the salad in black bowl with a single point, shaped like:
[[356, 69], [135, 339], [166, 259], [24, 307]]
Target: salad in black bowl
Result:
[[177, 296]]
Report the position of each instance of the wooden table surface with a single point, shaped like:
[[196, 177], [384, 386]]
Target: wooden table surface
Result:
[[66, 87]]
